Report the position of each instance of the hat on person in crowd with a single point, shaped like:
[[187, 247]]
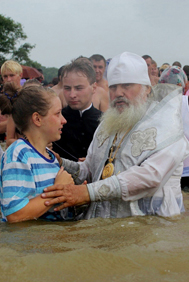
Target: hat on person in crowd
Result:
[[128, 68], [178, 64], [163, 67], [174, 75]]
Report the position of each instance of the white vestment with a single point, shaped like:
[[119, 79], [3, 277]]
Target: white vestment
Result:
[[148, 165], [185, 116]]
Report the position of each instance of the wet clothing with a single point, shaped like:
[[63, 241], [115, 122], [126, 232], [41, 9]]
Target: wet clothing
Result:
[[185, 116], [148, 165], [24, 175], [77, 133]]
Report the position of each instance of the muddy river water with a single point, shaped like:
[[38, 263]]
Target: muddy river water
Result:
[[131, 249]]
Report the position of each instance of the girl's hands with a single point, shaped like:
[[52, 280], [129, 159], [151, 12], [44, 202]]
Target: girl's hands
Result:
[[63, 177]]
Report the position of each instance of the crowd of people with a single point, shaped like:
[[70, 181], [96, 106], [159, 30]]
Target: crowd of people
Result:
[[109, 139]]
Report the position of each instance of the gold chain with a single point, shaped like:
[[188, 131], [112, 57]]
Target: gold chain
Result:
[[108, 170], [111, 159]]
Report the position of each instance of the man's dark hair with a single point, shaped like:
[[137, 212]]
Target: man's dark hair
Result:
[[55, 80], [81, 65], [97, 58], [178, 64], [60, 73], [186, 70], [145, 57]]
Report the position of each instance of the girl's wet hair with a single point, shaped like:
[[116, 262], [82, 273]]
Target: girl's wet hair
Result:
[[24, 102]]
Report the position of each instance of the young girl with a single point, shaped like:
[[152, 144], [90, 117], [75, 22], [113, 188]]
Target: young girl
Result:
[[28, 166]]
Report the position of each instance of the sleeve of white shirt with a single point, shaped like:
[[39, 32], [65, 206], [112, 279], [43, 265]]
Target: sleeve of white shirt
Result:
[[141, 181]]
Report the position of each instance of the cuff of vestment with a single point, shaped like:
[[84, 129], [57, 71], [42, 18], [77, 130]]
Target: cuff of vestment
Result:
[[104, 190]]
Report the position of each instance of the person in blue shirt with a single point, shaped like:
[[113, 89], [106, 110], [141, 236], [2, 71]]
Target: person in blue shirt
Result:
[[28, 166]]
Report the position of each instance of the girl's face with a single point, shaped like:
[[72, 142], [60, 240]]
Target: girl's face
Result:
[[53, 122]]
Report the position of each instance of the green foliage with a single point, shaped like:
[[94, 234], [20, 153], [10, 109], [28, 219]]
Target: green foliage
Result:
[[2, 59], [11, 33], [21, 55], [34, 64], [49, 73]]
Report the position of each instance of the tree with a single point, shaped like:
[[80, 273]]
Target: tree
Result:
[[49, 73], [11, 33], [21, 55]]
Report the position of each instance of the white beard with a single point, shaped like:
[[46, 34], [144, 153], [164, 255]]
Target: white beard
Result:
[[124, 117]]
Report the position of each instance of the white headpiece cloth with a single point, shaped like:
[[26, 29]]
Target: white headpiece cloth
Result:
[[128, 68]]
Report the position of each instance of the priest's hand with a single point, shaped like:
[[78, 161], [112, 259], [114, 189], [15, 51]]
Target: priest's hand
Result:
[[66, 195]]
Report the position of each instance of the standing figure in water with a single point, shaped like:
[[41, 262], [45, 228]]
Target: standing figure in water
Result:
[[28, 166], [135, 161]]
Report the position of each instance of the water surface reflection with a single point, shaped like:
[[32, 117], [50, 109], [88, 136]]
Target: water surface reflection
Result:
[[132, 249]]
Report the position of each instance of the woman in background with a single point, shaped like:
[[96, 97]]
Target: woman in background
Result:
[[176, 75]]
